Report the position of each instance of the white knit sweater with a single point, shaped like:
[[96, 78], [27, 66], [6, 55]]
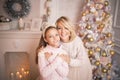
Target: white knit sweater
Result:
[[80, 67]]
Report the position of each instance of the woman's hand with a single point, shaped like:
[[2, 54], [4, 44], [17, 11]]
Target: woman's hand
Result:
[[66, 58], [48, 55]]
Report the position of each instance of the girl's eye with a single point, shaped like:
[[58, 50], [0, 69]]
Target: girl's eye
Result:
[[50, 36], [57, 34]]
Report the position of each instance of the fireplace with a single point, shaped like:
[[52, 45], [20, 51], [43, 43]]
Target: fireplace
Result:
[[17, 55], [17, 65]]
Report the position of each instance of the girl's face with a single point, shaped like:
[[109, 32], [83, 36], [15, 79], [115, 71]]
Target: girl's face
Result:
[[63, 31], [52, 37]]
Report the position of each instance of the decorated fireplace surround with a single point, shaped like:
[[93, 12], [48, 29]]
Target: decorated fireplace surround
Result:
[[17, 55]]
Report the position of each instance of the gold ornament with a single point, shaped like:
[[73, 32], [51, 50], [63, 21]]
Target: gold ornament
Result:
[[97, 63], [104, 70], [100, 27], [109, 35], [88, 27], [91, 39], [83, 14], [112, 52], [104, 54], [90, 52], [106, 3], [109, 65], [97, 49]]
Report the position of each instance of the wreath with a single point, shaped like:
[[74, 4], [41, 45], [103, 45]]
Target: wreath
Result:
[[17, 8]]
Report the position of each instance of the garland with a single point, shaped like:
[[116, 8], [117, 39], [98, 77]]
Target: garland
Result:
[[17, 8]]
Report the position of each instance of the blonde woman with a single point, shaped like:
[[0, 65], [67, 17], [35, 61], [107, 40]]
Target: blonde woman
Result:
[[80, 66]]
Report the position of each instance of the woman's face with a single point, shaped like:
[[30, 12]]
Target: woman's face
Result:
[[52, 37], [63, 31]]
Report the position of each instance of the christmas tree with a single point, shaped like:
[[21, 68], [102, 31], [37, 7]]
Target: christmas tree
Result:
[[95, 29]]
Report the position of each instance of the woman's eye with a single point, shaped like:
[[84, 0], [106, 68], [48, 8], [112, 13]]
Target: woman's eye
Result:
[[58, 28], [66, 28]]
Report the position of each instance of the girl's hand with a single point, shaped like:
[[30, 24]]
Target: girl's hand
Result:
[[66, 58], [48, 55]]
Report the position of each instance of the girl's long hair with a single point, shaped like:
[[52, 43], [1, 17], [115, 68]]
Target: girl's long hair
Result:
[[42, 42]]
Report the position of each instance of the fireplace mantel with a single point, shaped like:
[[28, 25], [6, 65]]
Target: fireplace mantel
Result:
[[19, 41], [20, 34]]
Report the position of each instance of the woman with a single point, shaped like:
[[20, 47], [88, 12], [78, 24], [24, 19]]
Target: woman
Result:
[[80, 67]]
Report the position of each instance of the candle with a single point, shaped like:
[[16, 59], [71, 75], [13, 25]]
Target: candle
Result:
[[11, 76], [22, 69], [17, 75], [21, 24]]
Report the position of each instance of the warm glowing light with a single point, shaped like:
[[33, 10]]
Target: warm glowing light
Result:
[[20, 76], [17, 73], [22, 69]]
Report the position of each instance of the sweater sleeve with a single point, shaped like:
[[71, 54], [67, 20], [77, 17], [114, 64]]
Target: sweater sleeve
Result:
[[81, 55], [63, 69], [45, 67]]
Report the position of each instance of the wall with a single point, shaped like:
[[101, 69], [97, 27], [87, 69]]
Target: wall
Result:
[[27, 41], [116, 24], [69, 8]]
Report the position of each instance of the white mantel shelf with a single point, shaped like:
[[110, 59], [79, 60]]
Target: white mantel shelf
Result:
[[20, 34]]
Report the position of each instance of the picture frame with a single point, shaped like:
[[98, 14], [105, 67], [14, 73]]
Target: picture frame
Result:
[[36, 24], [27, 25]]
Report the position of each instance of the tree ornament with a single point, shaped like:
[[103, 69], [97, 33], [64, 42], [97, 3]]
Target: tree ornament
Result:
[[88, 27], [104, 70], [90, 52], [97, 63], [109, 34], [106, 3], [97, 49], [100, 27], [109, 65], [104, 54], [112, 52], [83, 14], [91, 39]]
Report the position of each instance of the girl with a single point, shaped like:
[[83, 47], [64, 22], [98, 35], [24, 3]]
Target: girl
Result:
[[53, 66]]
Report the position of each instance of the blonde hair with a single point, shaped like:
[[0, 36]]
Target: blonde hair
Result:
[[64, 20]]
